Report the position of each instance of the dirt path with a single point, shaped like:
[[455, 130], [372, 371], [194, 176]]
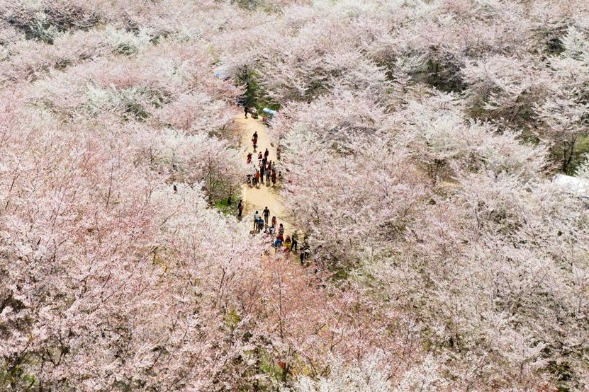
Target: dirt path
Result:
[[256, 199]]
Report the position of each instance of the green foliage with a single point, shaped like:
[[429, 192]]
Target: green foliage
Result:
[[268, 103], [442, 73], [255, 94], [15, 378], [226, 208], [570, 154], [136, 111], [232, 319], [554, 46], [249, 78], [581, 149], [268, 6], [269, 366], [341, 274], [247, 4], [159, 98], [562, 373], [126, 49], [41, 29], [253, 4]]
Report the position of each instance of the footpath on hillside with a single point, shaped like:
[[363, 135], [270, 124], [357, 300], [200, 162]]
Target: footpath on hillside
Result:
[[266, 194], [256, 198]]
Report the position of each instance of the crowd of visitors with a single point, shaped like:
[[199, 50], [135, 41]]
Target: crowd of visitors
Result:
[[266, 170], [280, 241]]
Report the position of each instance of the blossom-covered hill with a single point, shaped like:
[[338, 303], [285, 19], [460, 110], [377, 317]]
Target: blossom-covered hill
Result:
[[419, 139]]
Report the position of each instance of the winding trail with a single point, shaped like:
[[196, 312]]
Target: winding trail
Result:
[[256, 199]]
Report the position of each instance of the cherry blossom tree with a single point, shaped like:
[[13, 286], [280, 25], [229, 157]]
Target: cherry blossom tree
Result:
[[101, 281]]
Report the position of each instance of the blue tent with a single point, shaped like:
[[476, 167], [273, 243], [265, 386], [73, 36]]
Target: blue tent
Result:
[[269, 112]]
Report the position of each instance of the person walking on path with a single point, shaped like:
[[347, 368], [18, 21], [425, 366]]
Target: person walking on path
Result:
[[295, 242], [256, 217], [257, 178], [281, 229], [262, 168], [268, 174], [273, 221], [304, 253], [278, 242], [239, 209], [274, 176], [246, 110], [255, 140], [266, 153], [249, 158], [266, 215]]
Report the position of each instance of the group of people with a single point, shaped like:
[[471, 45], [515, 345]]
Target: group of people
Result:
[[265, 169], [271, 228]]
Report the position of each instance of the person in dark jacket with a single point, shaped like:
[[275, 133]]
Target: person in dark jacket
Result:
[[295, 243], [266, 214]]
